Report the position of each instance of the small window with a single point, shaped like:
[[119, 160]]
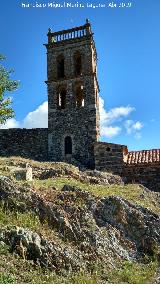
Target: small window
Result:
[[79, 96], [77, 64], [108, 149], [68, 145], [60, 67], [62, 99], [96, 99]]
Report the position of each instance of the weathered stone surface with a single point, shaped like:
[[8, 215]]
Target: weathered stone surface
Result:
[[79, 122], [92, 177], [113, 158], [109, 157], [20, 173], [48, 254], [92, 226], [28, 172], [27, 143], [146, 174]]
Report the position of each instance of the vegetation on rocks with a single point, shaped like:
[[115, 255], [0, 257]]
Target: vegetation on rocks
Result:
[[76, 227]]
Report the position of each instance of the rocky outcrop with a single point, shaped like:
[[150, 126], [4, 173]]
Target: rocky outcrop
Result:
[[96, 229], [92, 177], [41, 171], [32, 246]]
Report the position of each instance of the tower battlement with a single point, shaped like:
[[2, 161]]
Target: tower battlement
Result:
[[70, 34]]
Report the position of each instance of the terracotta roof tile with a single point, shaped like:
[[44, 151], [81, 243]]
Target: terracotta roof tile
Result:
[[143, 157]]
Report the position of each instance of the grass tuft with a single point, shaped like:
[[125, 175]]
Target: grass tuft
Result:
[[134, 273]]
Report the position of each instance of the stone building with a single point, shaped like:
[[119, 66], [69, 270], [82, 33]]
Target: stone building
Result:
[[73, 95], [73, 116]]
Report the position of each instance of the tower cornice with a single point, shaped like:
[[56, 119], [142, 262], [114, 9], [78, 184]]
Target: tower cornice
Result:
[[65, 80]]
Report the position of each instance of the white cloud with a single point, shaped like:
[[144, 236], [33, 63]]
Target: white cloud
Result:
[[114, 115], [10, 123], [133, 127], [137, 125], [37, 118], [112, 121], [110, 131]]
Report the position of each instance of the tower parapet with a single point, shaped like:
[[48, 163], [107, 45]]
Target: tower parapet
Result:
[[70, 34]]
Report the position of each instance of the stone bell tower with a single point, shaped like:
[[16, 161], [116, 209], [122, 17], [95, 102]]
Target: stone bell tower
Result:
[[73, 95]]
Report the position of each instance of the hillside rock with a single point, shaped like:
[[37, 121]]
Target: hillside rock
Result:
[[32, 246], [41, 171], [96, 229], [92, 177]]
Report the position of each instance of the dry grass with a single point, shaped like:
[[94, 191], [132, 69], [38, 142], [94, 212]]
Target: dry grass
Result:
[[13, 270], [134, 193], [131, 192]]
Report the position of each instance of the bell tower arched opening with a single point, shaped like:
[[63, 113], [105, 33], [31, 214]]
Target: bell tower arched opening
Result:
[[62, 98], [79, 96]]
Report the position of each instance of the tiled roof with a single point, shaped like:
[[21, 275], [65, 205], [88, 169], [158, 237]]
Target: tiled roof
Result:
[[143, 157]]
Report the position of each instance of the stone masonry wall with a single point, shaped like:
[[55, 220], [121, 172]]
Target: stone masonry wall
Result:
[[33, 144], [79, 123], [82, 141], [113, 158], [146, 174], [28, 143], [109, 157]]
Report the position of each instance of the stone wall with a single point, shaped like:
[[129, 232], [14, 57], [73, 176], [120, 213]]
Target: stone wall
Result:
[[114, 158], [146, 174], [74, 124], [33, 144], [28, 143], [109, 157], [80, 123]]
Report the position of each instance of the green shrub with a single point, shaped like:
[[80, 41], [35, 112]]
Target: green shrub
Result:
[[6, 279], [83, 279], [4, 249], [134, 273]]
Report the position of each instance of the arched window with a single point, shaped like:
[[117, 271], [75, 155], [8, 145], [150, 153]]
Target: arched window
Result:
[[60, 66], [79, 96], [68, 145], [77, 64], [62, 99]]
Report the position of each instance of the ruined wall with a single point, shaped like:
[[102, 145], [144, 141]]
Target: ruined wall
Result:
[[146, 174], [109, 157], [28, 143], [115, 158]]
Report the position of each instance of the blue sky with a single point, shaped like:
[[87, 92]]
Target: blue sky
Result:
[[128, 47]]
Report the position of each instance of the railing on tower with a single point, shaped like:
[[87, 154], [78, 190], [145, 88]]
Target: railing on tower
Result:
[[78, 32]]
